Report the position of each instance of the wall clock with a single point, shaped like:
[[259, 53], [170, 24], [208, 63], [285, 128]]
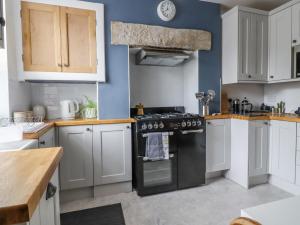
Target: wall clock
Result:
[[166, 10]]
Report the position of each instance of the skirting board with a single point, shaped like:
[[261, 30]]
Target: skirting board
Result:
[[97, 191], [257, 180], [291, 188]]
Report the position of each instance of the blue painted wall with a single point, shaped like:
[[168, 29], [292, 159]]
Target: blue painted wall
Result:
[[192, 14]]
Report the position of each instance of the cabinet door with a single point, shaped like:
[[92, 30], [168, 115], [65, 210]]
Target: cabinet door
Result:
[[260, 47], [283, 150], [78, 32], [112, 153], [258, 148], [47, 140], [76, 166], [245, 47], [41, 37], [296, 24], [217, 145], [280, 64]]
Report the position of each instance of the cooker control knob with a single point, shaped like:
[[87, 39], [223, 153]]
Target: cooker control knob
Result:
[[189, 123], [199, 123], [194, 123], [155, 125], [150, 126], [183, 124], [144, 126], [161, 125]]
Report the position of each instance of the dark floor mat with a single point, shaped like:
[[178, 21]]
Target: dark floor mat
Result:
[[105, 215]]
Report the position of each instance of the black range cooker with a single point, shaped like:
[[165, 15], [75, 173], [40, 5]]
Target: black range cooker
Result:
[[186, 164]]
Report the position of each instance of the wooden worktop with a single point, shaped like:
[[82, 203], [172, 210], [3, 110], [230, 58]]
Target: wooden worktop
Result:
[[24, 176], [76, 122], [267, 116]]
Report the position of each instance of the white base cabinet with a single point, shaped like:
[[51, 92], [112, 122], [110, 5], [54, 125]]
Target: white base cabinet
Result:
[[48, 139], [283, 150], [258, 148], [112, 153], [218, 145], [48, 210], [95, 155], [249, 152]]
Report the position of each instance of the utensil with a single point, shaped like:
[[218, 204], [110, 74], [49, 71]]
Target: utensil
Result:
[[69, 109]]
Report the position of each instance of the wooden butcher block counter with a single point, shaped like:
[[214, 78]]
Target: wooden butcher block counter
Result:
[[24, 176], [266, 116]]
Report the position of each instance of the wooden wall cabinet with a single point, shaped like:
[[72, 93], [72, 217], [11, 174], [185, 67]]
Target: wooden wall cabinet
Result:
[[60, 42]]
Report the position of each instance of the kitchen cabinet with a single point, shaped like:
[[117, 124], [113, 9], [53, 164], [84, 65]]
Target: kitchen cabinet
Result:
[[48, 211], [47, 140], [112, 153], [60, 42], [258, 148], [245, 46], [283, 150], [76, 167], [41, 37], [296, 24], [280, 48], [2, 24], [218, 145]]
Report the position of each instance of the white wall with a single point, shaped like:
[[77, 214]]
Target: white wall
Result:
[[160, 86], [253, 92], [287, 92], [155, 86], [191, 84], [50, 95]]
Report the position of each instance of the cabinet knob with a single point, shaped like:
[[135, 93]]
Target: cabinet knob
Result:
[[294, 41], [51, 190], [42, 142], [271, 77], [266, 123], [2, 21], [128, 127], [249, 76], [88, 129], [208, 123]]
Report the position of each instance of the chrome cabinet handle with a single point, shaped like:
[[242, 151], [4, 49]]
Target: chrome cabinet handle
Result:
[[184, 132]]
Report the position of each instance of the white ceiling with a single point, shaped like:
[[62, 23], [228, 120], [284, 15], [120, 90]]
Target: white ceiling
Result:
[[259, 4]]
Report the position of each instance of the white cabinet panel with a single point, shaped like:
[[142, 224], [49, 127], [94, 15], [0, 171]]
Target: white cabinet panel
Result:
[[258, 147], [76, 167], [217, 145], [245, 46], [260, 47], [112, 153], [283, 150], [296, 24], [48, 139], [280, 59]]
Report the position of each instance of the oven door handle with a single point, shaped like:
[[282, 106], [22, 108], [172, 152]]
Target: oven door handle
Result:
[[145, 159], [184, 132]]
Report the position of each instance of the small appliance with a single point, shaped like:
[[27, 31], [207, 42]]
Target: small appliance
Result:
[[69, 109]]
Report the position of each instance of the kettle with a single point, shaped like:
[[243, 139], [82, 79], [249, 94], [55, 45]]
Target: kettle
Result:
[[68, 109]]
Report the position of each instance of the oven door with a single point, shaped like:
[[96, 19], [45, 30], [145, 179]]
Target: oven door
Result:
[[156, 176]]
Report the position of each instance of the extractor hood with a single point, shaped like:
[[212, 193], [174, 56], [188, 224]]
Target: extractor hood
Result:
[[162, 57]]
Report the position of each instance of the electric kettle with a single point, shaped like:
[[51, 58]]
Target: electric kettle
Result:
[[68, 109]]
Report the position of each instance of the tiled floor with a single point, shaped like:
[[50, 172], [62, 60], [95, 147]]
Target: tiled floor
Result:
[[214, 204]]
